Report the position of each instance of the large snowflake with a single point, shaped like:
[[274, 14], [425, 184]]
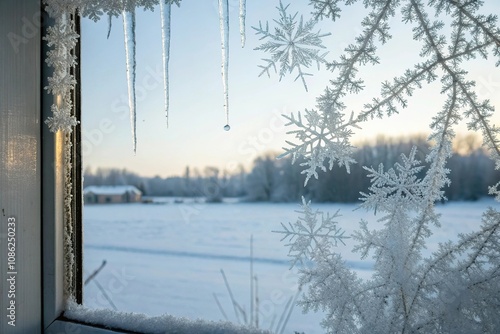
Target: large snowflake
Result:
[[323, 138], [293, 45], [313, 233]]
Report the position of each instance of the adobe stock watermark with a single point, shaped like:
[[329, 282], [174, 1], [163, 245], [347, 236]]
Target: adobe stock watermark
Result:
[[115, 284], [12, 265], [233, 7], [249, 149], [92, 138], [70, 328], [211, 189], [30, 29], [269, 310], [254, 144], [277, 302], [488, 87], [454, 294]]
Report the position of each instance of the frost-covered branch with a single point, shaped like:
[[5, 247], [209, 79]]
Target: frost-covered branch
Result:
[[326, 9], [361, 53], [472, 35], [329, 103], [406, 294]]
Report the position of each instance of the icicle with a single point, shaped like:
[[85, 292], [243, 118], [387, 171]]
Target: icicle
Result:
[[110, 17], [129, 32], [224, 34], [165, 34], [243, 13]]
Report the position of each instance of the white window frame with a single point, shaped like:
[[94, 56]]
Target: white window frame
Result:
[[53, 208], [35, 199], [53, 146]]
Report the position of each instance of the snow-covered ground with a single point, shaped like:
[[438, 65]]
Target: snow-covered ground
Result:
[[166, 257]]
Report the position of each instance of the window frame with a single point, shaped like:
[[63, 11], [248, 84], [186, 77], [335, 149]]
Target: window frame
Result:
[[54, 208], [53, 147], [37, 201]]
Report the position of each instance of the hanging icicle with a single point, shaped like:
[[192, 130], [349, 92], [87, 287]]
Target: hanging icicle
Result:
[[243, 14], [61, 120], [165, 7], [224, 34], [129, 32]]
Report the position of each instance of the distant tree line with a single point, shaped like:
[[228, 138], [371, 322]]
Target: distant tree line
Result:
[[280, 181], [210, 183]]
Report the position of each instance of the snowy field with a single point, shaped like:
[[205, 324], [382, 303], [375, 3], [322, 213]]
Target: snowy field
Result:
[[166, 258]]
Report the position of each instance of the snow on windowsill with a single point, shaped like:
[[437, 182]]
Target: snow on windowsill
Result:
[[138, 322]]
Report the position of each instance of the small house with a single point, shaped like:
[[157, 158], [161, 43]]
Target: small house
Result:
[[111, 194]]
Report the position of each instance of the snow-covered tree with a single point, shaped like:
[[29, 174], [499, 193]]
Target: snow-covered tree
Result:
[[457, 288], [261, 181]]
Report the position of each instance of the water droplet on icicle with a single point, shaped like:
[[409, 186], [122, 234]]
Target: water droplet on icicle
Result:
[[165, 7], [129, 33], [227, 127], [224, 34]]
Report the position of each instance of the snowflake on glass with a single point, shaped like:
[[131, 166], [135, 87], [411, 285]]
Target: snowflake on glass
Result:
[[61, 119], [313, 233], [293, 45], [323, 138]]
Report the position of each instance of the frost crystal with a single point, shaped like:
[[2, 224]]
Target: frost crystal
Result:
[[61, 120], [325, 9], [323, 138], [62, 38], [293, 45], [472, 35], [308, 237], [141, 323], [398, 186], [455, 290]]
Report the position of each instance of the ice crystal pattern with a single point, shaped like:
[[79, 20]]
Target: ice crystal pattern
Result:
[[62, 39], [454, 290], [293, 45], [319, 143], [472, 35], [311, 235]]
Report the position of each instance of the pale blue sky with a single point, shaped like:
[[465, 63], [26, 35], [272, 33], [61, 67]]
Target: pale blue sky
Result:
[[195, 136]]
